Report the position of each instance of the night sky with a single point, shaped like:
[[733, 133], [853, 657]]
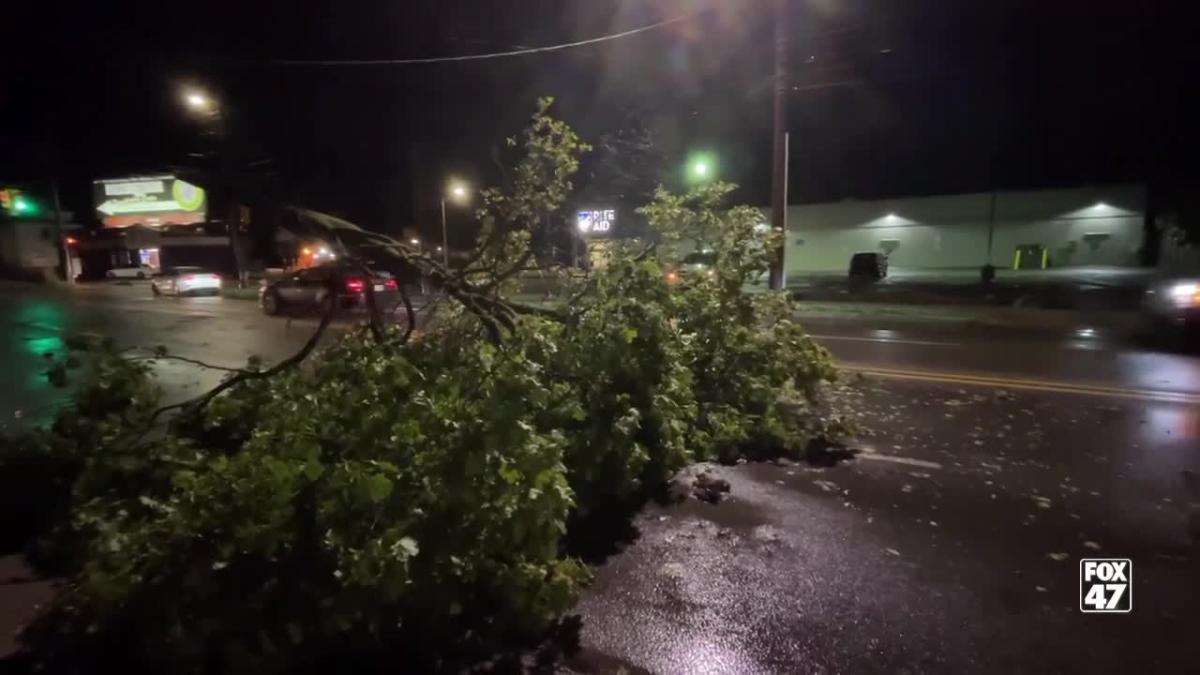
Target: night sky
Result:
[[891, 97]]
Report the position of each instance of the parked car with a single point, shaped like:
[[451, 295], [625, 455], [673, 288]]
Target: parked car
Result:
[[185, 281], [139, 272], [1171, 310], [309, 289], [868, 265]]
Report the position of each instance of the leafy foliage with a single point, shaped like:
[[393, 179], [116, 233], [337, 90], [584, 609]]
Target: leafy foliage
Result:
[[410, 494], [40, 469], [539, 183], [415, 496], [746, 352]]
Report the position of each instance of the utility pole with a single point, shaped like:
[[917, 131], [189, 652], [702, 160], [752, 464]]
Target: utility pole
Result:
[[445, 237], [233, 217], [58, 232], [211, 111], [779, 159]]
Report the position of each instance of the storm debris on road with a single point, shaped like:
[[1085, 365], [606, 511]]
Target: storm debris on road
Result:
[[709, 489], [827, 486]]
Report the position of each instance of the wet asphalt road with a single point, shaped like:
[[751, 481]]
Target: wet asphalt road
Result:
[[35, 320], [994, 457], [1090, 353], [951, 545]]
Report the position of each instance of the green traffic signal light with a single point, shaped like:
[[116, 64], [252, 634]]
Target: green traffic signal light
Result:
[[701, 168], [22, 206]]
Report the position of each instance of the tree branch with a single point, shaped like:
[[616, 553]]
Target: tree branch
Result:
[[184, 359], [408, 309], [198, 403]]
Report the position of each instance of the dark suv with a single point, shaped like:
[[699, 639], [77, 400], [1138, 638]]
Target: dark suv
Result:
[[868, 265], [308, 289]]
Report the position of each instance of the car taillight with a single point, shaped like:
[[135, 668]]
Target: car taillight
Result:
[[355, 285], [391, 284]]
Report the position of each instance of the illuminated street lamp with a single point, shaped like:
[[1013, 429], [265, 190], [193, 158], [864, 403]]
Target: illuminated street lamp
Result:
[[199, 101], [209, 109], [460, 193]]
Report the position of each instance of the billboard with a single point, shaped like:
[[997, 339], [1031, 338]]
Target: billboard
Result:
[[148, 200]]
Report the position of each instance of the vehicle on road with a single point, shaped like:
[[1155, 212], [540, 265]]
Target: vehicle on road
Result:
[[186, 281], [703, 264], [696, 264], [1171, 309], [868, 265], [139, 272], [309, 289]]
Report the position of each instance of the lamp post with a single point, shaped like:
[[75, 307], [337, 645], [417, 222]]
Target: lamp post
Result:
[[207, 108], [459, 193]]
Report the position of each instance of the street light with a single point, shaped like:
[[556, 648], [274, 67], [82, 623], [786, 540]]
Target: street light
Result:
[[210, 111], [460, 193], [199, 101]]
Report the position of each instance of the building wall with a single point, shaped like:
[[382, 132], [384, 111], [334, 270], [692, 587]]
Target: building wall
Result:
[[28, 245], [1083, 226]]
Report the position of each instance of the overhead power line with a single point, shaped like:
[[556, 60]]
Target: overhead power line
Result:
[[481, 57]]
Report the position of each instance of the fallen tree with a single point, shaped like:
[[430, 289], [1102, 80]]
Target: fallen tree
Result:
[[394, 494]]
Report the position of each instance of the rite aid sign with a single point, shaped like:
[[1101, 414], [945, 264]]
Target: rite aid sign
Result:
[[598, 223]]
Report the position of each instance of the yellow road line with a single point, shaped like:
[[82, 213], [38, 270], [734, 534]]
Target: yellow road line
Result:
[[1025, 384]]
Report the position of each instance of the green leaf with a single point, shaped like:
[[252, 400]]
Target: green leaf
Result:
[[378, 487], [313, 470]]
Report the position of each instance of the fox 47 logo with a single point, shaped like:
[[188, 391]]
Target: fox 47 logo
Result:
[[1106, 585]]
